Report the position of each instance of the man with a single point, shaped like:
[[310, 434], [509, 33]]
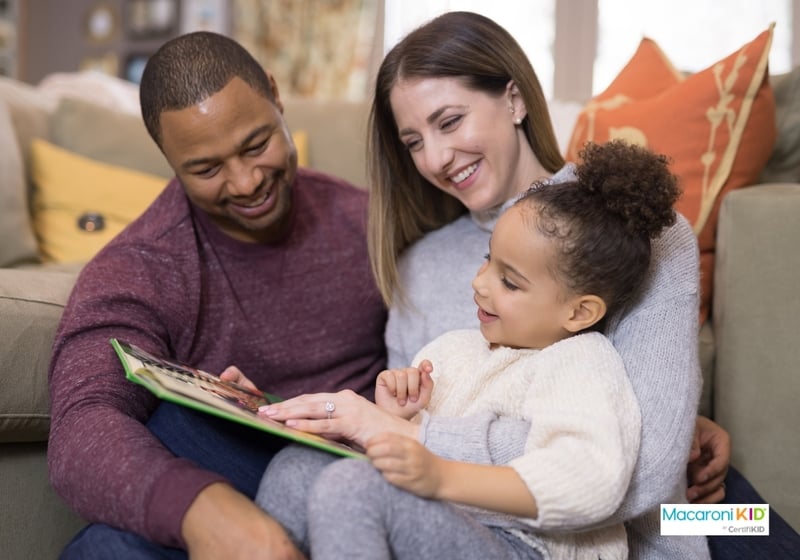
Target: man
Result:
[[242, 259]]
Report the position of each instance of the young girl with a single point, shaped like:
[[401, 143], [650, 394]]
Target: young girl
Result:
[[561, 259]]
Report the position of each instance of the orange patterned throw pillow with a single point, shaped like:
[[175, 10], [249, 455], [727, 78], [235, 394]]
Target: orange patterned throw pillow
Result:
[[717, 126]]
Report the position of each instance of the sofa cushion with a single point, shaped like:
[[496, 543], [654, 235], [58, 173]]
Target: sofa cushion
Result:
[[107, 135], [25, 115], [31, 303], [80, 204], [30, 111], [784, 163], [756, 321], [17, 243], [330, 126], [717, 126]]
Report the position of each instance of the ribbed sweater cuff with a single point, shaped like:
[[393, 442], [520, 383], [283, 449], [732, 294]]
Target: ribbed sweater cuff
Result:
[[171, 497]]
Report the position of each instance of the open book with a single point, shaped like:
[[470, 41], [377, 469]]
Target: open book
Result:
[[197, 389]]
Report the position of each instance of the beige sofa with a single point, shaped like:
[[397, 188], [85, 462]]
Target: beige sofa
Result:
[[750, 355]]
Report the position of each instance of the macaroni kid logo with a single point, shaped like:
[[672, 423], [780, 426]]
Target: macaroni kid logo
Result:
[[717, 519]]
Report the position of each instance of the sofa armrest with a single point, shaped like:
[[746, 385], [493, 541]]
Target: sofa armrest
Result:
[[756, 324], [31, 303]]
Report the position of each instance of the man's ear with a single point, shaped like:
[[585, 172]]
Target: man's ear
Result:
[[273, 85], [586, 310]]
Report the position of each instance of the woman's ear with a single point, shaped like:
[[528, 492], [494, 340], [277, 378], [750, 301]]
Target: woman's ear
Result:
[[516, 105], [586, 310]]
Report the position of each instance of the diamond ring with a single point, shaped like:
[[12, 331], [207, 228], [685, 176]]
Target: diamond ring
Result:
[[329, 408]]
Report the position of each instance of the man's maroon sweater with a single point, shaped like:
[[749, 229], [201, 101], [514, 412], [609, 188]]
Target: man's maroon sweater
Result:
[[301, 315]]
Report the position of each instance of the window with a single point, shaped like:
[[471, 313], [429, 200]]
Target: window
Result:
[[531, 24], [693, 33], [561, 33]]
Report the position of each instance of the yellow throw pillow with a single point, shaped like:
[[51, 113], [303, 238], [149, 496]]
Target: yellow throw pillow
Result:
[[300, 139], [80, 204]]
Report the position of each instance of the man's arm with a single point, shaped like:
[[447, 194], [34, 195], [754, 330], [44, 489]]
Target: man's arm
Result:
[[103, 460], [222, 523]]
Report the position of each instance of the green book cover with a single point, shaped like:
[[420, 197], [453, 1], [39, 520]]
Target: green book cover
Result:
[[197, 389]]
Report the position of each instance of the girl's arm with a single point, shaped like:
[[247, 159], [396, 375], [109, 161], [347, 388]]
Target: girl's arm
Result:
[[409, 465]]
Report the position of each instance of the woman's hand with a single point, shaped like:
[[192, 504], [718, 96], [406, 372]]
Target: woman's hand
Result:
[[406, 463], [404, 392], [709, 460], [342, 416]]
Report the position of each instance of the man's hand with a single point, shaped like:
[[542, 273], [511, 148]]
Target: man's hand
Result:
[[404, 392], [709, 460], [222, 523], [233, 374]]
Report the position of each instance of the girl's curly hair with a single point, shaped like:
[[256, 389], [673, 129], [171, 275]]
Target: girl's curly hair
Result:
[[602, 223]]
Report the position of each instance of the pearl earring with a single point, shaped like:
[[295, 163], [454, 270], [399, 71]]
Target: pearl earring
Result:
[[518, 121]]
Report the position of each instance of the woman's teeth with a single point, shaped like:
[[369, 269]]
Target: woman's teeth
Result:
[[464, 174]]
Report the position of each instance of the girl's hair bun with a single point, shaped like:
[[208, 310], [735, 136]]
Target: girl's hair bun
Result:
[[631, 182]]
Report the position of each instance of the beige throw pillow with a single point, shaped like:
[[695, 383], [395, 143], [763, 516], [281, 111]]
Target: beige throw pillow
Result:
[[106, 135], [17, 242]]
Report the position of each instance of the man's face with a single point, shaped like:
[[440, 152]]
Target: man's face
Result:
[[236, 160]]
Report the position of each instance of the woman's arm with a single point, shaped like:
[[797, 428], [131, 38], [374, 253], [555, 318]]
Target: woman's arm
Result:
[[354, 418], [658, 341]]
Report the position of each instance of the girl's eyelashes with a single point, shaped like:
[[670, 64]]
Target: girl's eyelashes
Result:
[[508, 284]]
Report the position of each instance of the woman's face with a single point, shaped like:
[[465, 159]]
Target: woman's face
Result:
[[465, 142]]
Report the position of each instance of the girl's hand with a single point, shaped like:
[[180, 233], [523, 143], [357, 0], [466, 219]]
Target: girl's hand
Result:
[[341, 416], [404, 392], [406, 463]]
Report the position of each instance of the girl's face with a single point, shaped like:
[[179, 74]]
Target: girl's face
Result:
[[520, 302], [465, 142]]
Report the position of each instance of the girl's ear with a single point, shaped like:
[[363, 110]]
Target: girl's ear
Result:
[[585, 310], [516, 105]]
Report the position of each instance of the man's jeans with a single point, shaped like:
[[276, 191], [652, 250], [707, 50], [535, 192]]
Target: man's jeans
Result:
[[238, 452], [783, 542]]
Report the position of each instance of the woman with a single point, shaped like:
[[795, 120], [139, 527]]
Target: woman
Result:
[[561, 259], [516, 147], [459, 127]]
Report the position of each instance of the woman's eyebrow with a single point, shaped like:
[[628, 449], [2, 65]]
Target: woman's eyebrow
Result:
[[430, 119]]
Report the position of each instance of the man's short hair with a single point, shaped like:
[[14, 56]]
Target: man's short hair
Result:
[[191, 68]]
